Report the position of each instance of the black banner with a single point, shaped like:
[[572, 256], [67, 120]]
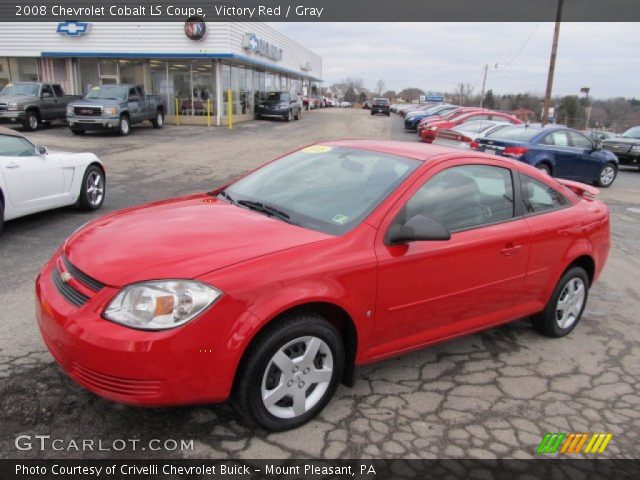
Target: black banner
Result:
[[319, 10], [321, 469]]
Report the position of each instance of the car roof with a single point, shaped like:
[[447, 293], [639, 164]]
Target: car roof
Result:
[[10, 132], [417, 151]]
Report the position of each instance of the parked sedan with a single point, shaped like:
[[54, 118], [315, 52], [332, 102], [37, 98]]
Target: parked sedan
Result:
[[449, 115], [462, 135], [380, 105], [283, 105], [431, 129], [412, 119], [271, 289], [558, 151], [32, 179]]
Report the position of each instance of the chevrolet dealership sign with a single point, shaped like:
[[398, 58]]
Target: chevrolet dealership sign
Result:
[[253, 43]]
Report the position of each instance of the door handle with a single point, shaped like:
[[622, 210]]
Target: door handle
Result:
[[13, 165], [510, 249]]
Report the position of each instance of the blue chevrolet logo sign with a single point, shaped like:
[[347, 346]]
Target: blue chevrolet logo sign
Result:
[[73, 28]]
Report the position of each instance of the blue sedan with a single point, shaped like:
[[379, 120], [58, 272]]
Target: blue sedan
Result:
[[412, 119], [556, 150]]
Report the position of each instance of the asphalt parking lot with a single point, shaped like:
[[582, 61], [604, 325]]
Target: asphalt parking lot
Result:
[[488, 395]]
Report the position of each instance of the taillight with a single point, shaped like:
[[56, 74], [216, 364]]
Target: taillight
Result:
[[515, 152], [474, 145]]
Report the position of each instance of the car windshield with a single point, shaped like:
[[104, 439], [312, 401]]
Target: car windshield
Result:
[[21, 89], [278, 97], [108, 92], [517, 133], [11, 146], [475, 126], [632, 133], [324, 188]]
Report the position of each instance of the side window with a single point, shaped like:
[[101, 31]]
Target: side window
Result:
[[502, 118], [11, 146], [464, 197], [58, 91], [558, 138], [539, 197], [477, 117], [580, 141], [46, 91], [139, 92], [132, 92]]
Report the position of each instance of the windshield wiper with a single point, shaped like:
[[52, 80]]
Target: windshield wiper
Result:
[[224, 194], [266, 209]]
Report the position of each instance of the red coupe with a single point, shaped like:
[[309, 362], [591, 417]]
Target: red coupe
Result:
[[430, 130], [269, 291], [452, 115]]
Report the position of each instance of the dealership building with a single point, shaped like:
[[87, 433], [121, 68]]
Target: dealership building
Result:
[[192, 65]]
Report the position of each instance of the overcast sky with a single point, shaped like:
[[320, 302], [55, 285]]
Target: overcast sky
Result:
[[438, 56]]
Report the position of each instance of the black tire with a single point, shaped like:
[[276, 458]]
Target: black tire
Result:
[[75, 131], [247, 393], [388, 114], [85, 200], [547, 322], [158, 121], [544, 168], [31, 121], [287, 117], [298, 115], [1, 216], [605, 180], [372, 113], [124, 125]]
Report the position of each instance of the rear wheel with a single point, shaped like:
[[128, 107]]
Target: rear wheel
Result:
[[290, 373], [31, 121], [544, 168], [93, 189], [1, 215], [158, 121], [607, 175], [298, 115], [124, 127], [564, 310]]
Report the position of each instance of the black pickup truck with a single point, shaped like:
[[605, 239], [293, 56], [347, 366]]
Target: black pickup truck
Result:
[[33, 104], [626, 146], [115, 108]]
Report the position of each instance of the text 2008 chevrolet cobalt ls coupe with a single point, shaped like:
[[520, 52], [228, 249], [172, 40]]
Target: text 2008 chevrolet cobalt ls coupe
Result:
[[269, 290]]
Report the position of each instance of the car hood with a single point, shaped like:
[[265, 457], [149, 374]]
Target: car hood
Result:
[[622, 141], [17, 98], [98, 102], [180, 238]]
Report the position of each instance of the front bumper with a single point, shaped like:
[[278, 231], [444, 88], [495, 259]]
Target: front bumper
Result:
[[93, 123], [7, 116], [427, 136], [185, 365], [386, 111]]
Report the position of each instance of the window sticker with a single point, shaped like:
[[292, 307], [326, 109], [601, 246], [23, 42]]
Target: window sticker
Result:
[[317, 149], [95, 88], [340, 219]]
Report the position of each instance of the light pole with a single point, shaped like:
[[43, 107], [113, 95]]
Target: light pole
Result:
[[586, 91]]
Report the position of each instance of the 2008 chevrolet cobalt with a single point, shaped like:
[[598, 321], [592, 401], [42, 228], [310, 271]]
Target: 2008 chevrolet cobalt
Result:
[[270, 290]]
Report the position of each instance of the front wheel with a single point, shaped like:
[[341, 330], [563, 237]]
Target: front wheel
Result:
[[607, 175], [298, 115], [31, 121], [92, 190], [124, 127], [158, 121], [288, 116], [564, 310], [290, 374]]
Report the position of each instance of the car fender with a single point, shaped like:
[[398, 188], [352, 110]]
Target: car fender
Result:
[[540, 157], [74, 165], [580, 247]]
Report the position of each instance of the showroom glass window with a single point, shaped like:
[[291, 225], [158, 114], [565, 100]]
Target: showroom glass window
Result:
[[179, 79], [158, 81], [204, 92], [464, 197], [538, 197], [131, 71], [23, 69], [108, 71], [89, 74], [4, 72]]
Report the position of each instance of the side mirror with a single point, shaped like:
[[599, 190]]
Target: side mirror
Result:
[[45, 95], [418, 228], [42, 150], [598, 144]]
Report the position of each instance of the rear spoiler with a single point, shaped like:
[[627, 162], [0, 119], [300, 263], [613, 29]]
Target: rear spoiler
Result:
[[578, 188]]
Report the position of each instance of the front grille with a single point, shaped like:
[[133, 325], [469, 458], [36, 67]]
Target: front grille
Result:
[[3, 106], [116, 385], [69, 293], [87, 111], [82, 277]]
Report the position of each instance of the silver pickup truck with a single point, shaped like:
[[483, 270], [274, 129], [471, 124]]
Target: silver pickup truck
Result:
[[115, 108], [33, 104]]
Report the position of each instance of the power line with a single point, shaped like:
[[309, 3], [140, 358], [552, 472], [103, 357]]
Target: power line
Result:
[[521, 48]]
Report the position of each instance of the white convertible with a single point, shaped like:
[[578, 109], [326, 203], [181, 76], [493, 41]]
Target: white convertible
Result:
[[33, 179]]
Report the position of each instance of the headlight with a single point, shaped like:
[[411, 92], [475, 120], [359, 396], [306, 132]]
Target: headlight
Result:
[[110, 111], [69, 110], [635, 148], [433, 128], [12, 106], [161, 304]]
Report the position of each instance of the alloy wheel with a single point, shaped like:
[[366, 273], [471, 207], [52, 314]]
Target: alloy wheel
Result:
[[33, 122], [297, 377], [95, 188], [570, 303], [607, 175], [159, 120], [124, 126]]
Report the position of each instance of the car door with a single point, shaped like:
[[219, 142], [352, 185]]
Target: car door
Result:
[[431, 290], [60, 103], [47, 102], [586, 165], [565, 155], [134, 105], [145, 108], [33, 181]]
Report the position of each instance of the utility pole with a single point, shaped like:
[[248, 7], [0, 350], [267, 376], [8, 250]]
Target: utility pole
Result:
[[552, 65], [484, 82]]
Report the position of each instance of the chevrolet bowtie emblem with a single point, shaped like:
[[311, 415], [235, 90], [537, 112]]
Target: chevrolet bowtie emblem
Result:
[[65, 277]]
